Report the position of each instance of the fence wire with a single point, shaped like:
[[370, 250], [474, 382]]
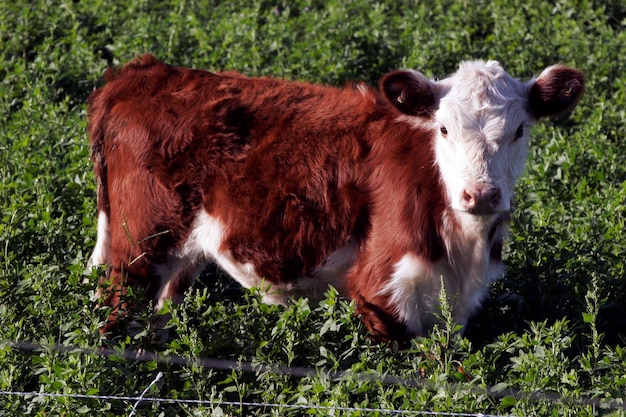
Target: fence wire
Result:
[[299, 372], [214, 403]]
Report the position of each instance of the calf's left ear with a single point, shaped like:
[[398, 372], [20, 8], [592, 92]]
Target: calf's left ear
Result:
[[556, 91], [410, 92]]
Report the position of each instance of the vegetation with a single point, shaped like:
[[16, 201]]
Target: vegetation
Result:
[[550, 339]]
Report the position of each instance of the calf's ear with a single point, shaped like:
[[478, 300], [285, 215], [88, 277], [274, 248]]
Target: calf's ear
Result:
[[410, 92], [556, 91]]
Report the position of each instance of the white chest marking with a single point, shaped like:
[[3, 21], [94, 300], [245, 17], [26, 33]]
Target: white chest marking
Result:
[[415, 285]]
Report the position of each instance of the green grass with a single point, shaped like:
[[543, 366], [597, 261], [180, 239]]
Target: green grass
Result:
[[551, 338]]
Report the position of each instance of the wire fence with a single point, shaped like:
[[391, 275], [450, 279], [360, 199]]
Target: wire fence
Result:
[[300, 372], [301, 407]]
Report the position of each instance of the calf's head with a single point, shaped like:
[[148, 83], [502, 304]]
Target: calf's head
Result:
[[482, 118]]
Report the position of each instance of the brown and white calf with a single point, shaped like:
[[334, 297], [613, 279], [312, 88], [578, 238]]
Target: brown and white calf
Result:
[[381, 193]]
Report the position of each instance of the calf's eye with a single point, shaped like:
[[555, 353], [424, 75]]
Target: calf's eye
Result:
[[443, 131]]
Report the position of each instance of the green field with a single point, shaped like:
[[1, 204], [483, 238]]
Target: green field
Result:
[[550, 339]]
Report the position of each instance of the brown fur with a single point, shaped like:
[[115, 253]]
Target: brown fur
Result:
[[293, 170]]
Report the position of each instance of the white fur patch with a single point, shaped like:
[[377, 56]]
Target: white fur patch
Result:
[[411, 288], [204, 245], [480, 115], [205, 242], [101, 252], [415, 285]]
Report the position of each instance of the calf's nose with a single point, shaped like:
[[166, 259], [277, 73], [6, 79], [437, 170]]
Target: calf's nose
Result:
[[481, 199]]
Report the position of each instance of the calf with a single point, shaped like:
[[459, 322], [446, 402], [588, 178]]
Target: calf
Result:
[[384, 194]]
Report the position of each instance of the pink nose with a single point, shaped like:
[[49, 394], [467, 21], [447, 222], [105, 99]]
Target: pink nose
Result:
[[481, 199]]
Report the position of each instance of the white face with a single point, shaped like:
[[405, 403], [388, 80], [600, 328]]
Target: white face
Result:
[[482, 136]]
